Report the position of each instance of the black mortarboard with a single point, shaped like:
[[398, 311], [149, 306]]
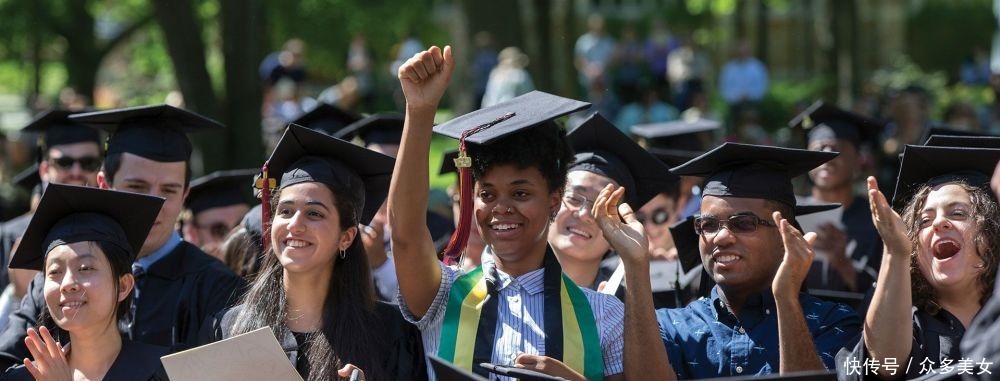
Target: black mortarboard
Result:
[[28, 178], [448, 162], [963, 141], [56, 128], [677, 134], [384, 128], [221, 188], [604, 150], [487, 125], [153, 132], [505, 118], [303, 155], [327, 118], [940, 129], [68, 214], [935, 165], [823, 121], [755, 171], [686, 243]]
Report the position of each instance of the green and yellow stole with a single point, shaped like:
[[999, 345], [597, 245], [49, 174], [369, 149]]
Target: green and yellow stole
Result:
[[469, 330]]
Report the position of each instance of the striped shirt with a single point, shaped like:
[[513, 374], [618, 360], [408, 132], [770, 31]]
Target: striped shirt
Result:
[[520, 319]]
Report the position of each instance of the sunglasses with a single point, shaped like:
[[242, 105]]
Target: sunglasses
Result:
[[739, 224], [658, 217], [217, 230], [87, 163]]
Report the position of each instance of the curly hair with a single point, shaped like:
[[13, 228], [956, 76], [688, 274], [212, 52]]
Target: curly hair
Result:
[[986, 214], [544, 147]]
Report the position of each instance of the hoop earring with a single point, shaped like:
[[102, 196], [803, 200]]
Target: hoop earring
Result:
[[343, 254]]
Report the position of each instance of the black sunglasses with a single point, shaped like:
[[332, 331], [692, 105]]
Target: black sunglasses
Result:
[[741, 223], [87, 163], [218, 230], [658, 217]]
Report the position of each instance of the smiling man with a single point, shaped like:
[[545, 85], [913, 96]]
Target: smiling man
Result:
[[756, 321]]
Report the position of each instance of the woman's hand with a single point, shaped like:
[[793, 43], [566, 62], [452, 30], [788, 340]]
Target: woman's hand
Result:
[[425, 76], [619, 225], [547, 365], [50, 359], [351, 373], [887, 222]]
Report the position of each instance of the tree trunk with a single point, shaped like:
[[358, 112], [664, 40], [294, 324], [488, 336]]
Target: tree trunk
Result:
[[242, 48], [182, 32]]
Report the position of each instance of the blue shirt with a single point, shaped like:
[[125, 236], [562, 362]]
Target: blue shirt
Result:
[[705, 340], [170, 245]]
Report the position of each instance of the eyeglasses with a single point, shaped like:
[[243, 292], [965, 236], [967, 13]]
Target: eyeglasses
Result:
[[576, 202], [218, 230], [658, 217], [741, 223], [87, 163]]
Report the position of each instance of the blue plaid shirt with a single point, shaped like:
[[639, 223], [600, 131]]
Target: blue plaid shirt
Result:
[[705, 340]]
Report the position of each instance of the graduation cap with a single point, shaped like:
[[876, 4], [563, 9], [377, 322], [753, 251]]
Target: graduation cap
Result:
[[604, 150], [937, 165], [941, 129], [677, 134], [68, 214], [963, 141], [29, 178], [153, 132], [383, 128], [56, 128], [823, 121], [303, 155], [673, 157], [489, 124], [327, 118], [756, 171], [220, 188]]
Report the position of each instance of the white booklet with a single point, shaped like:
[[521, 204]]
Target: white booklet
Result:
[[252, 356]]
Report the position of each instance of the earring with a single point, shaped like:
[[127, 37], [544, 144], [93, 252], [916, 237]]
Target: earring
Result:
[[510, 210], [343, 254]]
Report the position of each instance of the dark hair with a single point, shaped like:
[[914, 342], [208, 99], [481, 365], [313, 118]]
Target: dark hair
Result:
[[241, 254], [544, 147], [787, 212], [986, 213], [347, 334], [113, 161], [121, 265]]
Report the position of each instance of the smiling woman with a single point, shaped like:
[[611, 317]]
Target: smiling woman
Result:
[[940, 258], [314, 289], [84, 242]]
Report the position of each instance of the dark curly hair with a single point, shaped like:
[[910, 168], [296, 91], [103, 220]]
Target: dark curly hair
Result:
[[986, 213], [543, 146]]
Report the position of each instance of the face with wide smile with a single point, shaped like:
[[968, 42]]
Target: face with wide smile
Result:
[[306, 234], [947, 253], [79, 287], [745, 261], [513, 206], [574, 233]]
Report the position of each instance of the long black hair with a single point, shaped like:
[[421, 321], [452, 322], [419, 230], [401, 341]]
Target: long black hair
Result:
[[349, 333]]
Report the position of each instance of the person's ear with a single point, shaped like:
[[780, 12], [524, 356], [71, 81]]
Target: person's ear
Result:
[[347, 237], [125, 285]]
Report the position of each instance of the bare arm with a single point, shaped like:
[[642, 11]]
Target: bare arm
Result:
[[645, 357], [795, 344], [888, 329], [424, 79]]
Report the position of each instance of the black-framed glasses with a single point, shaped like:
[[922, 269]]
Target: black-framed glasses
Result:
[[659, 216], [575, 201], [740, 223], [87, 163]]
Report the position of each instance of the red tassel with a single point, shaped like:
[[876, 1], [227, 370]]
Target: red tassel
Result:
[[265, 209], [453, 252]]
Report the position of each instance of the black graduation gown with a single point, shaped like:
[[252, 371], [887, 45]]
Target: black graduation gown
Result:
[[135, 362], [10, 231], [404, 353], [934, 337], [180, 292]]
